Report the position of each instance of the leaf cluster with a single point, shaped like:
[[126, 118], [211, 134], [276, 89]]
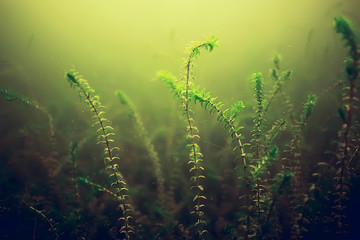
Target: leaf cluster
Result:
[[186, 92], [11, 96], [343, 26], [309, 106], [209, 44]]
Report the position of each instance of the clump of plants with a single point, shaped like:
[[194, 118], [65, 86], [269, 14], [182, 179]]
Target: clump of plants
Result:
[[269, 191]]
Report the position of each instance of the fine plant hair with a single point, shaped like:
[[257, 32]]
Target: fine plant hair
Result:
[[105, 131], [143, 134]]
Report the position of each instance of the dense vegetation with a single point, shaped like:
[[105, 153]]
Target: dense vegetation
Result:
[[268, 182]]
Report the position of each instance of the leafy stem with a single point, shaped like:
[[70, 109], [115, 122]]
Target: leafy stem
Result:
[[104, 133]]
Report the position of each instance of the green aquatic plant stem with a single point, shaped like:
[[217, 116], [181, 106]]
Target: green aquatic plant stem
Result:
[[76, 195], [257, 83], [117, 181], [98, 186], [143, 134], [291, 163], [343, 26], [309, 105], [278, 126], [330, 89], [12, 96], [229, 122], [194, 52], [280, 80], [195, 153], [51, 162], [282, 180], [183, 91], [48, 220], [226, 116]]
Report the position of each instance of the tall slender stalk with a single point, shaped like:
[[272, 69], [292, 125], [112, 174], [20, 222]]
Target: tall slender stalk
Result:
[[104, 132]]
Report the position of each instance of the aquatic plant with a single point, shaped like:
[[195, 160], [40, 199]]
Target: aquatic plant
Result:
[[104, 132], [47, 219], [276, 184], [195, 156], [257, 134], [343, 153], [226, 116], [256, 185], [280, 78], [11, 96], [143, 135], [51, 160]]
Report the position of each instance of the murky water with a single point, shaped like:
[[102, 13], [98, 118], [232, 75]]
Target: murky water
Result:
[[53, 179]]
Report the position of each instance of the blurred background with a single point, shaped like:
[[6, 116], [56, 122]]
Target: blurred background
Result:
[[121, 44]]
